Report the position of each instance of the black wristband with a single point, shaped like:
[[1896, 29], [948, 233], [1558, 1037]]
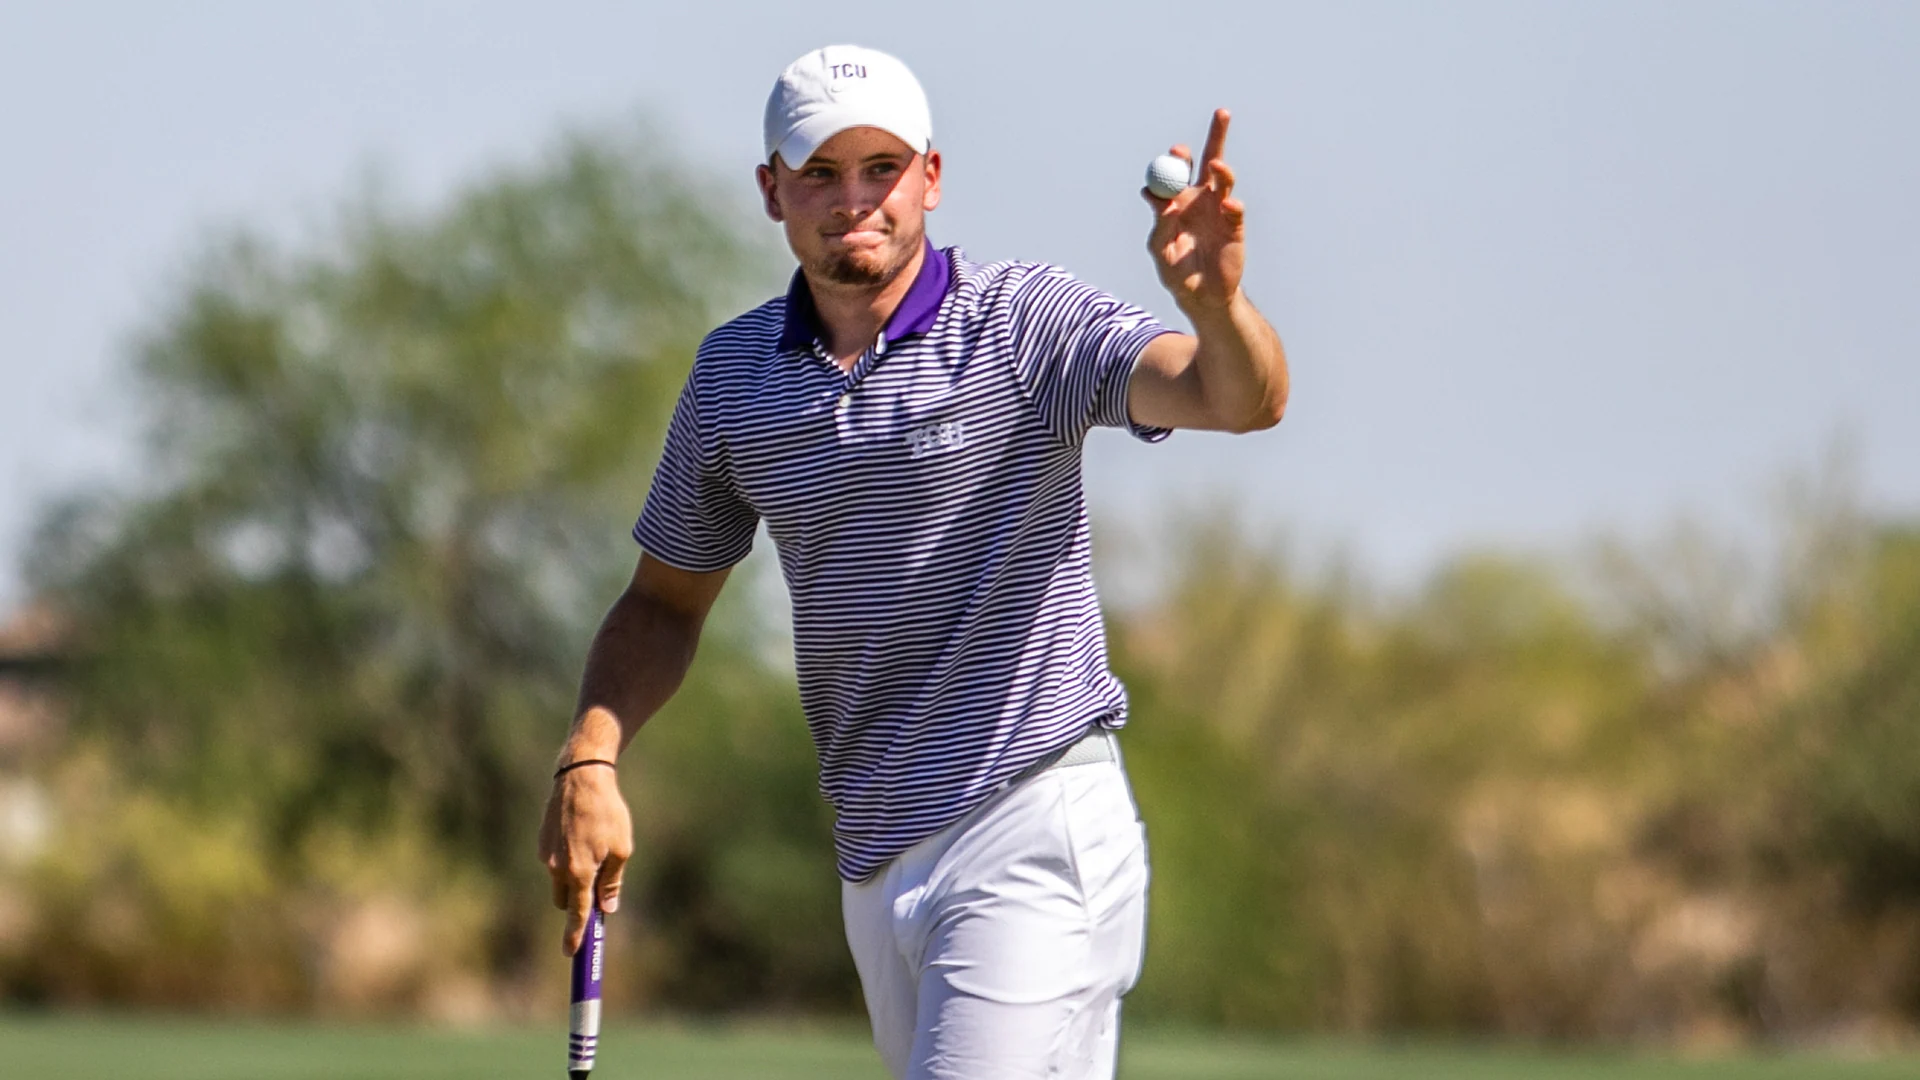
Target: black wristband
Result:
[[572, 765]]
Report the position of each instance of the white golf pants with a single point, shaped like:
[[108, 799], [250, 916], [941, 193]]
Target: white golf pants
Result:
[[999, 948]]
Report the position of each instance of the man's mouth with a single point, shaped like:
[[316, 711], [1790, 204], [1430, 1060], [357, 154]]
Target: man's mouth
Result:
[[859, 237]]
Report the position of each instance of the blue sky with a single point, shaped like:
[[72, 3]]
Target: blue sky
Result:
[[1543, 269]]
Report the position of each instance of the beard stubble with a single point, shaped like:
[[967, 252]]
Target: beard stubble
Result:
[[844, 269]]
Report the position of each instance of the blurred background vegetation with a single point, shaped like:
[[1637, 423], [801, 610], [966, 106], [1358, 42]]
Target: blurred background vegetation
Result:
[[277, 727]]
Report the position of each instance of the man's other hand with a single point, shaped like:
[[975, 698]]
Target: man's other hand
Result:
[[585, 842]]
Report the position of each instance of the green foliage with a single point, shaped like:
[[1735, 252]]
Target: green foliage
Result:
[[390, 478], [1860, 732], [1497, 806], [330, 644]]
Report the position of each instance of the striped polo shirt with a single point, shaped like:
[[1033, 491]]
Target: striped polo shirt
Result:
[[927, 512]]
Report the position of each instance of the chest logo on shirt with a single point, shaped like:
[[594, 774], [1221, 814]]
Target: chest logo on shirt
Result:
[[940, 438]]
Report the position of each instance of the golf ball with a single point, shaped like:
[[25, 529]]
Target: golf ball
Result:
[[1169, 176]]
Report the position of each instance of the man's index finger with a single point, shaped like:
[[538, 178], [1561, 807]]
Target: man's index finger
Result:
[[1216, 136]]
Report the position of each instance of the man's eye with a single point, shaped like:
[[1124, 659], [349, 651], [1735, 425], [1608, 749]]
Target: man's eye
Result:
[[818, 174]]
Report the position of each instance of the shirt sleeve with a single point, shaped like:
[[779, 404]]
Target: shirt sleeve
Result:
[[1074, 349], [695, 517]]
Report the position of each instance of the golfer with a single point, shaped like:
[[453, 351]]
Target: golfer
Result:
[[908, 424]]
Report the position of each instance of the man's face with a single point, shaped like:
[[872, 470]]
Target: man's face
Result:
[[855, 212]]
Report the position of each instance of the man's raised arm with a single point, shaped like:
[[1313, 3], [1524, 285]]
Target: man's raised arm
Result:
[[1231, 376]]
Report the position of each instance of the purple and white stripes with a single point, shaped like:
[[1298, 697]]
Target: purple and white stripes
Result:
[[927, 512]]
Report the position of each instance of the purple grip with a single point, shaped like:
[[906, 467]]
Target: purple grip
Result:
[[583, 1035], [586, 962]]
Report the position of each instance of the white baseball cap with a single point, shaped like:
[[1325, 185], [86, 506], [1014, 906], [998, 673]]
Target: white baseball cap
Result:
[[830, 90]]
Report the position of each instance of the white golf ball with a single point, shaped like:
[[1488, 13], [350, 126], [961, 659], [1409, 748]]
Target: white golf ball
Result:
[[1169, 176]]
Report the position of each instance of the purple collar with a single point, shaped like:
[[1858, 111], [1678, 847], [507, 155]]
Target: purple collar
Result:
[[915, 314]]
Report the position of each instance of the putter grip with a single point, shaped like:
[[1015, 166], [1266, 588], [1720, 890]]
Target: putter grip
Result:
[[583, 1036]]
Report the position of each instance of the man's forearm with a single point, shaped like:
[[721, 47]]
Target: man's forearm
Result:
[[1241, 365], [637, 661]]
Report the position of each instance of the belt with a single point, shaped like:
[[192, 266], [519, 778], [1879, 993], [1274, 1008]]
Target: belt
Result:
[[1095, 746]]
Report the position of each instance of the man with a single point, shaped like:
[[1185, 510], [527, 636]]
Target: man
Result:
[[908, 423]]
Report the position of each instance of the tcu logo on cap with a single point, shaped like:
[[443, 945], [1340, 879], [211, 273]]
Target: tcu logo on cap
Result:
[[847, 71]]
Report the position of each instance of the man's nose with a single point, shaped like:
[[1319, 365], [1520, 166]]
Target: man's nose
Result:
[[854, 198]]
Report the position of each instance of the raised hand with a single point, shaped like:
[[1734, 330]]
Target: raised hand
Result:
[[1199, 236]]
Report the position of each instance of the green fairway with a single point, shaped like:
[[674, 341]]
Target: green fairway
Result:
[[129, 1049]]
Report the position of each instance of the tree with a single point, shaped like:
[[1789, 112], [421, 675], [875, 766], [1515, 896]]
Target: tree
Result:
[[386, 495]]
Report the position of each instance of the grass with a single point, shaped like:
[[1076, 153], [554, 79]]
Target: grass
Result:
[[86, 1048]]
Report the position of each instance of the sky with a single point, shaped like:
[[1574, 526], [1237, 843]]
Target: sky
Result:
[[1542, 270]]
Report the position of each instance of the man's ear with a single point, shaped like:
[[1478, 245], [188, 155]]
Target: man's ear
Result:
[[768, 183], [930, 199]]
